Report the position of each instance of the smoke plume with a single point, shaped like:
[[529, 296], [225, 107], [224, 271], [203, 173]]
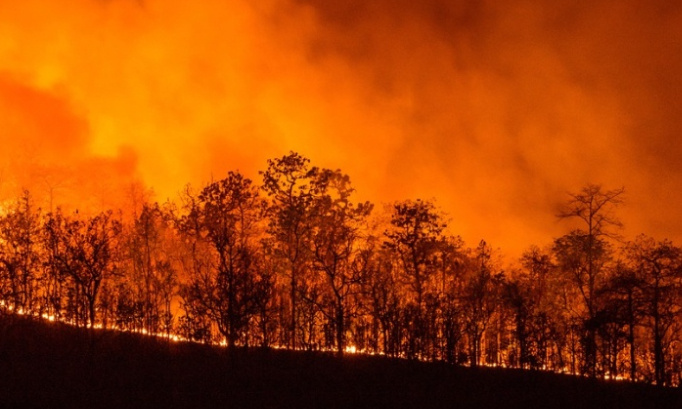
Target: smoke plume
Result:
[[496, 109]]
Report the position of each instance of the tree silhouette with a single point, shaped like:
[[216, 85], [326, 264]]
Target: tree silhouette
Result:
[[228, 217], [152, 275], [481, 298], [415, 237], [660, 266], [288, 183], [336, 229], [298, 263], [626, 302], [19, 254], [583, 252], [85, 251]]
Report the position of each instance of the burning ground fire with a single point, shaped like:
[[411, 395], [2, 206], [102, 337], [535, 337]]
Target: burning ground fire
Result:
[[349, 349]]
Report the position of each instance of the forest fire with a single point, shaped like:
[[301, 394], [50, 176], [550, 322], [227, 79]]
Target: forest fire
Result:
[[525, 122], [326, 275]]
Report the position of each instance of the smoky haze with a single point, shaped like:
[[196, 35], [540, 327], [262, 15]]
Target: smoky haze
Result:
[[496, 109]]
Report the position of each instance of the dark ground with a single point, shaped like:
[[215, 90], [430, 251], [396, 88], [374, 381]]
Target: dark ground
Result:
[[47, 365]]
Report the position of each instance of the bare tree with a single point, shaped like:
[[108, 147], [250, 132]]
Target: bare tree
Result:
[[584, 251]]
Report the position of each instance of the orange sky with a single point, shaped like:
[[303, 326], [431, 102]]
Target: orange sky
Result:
[[497, 109]]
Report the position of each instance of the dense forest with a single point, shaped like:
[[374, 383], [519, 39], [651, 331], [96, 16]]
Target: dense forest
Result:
[[291, 261]]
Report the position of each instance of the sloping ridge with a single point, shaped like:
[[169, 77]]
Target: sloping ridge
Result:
[[46, 365]]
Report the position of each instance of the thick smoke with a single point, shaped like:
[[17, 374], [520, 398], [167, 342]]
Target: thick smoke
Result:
[[497, 109]]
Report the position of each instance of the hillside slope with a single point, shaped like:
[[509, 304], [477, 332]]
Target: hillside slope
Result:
[[53, 365]]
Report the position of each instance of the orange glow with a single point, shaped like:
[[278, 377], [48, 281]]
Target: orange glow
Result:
[[496, 110], [351, 349]]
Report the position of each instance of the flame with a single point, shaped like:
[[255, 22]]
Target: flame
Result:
[[350, 349], [49, 317]]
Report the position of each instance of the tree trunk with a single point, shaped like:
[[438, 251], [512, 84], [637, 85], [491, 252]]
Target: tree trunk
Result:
[[292, 328], [340, 329], [631, 338]]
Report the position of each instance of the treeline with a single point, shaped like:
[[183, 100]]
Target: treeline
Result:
[[294, 262]]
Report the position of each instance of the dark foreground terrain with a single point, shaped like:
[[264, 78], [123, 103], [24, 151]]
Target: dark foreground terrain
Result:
[[46, 365]]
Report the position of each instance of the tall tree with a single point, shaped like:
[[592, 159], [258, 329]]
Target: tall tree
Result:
[[152, 273], [20, 253], [584, 251], [229, 213], [546, 316], [452, 269], [415, 236], [86, 252], [480, 298], [625, 300], [194, 257], [379, 294], [336, 224], [660, 266], [288, 183]]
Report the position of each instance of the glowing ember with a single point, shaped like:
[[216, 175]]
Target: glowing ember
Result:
[[351, 349]]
